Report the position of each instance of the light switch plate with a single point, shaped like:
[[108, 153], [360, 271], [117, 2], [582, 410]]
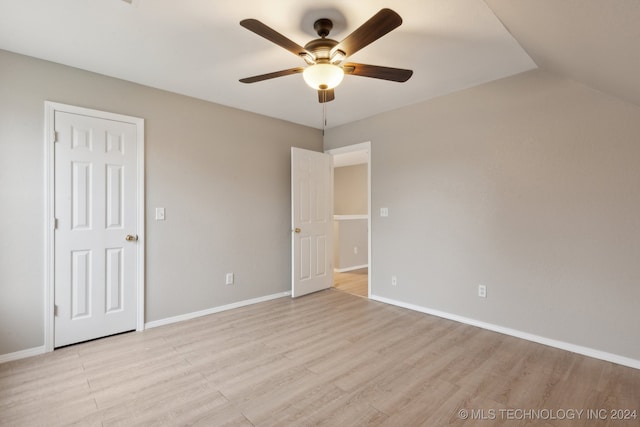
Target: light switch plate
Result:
[[384, 211], [159, 214]]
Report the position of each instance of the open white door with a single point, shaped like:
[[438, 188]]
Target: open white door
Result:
[[311, 221]]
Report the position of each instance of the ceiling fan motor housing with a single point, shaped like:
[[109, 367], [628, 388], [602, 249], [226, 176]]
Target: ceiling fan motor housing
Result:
[[321, 49], [323, 27]]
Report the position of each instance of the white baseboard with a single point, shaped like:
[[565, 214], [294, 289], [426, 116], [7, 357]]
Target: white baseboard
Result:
[[355, 267], [585, 351], [193, 315], [22, 354]]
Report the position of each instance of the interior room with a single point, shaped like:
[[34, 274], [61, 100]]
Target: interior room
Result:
[[157, 159]]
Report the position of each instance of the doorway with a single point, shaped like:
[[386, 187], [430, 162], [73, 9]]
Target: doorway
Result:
[[352, 224]]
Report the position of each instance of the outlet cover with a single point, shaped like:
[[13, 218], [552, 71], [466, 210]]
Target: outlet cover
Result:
[[482, 291]]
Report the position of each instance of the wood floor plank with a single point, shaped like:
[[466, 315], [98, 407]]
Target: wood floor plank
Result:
[[175, 406], [393, 393], [306, 403], [426, 406], [329, 358], [354, 282], [347, 410], [147, 383]]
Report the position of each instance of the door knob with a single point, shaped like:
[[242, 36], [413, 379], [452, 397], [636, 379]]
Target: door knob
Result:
[[297, 230], [131, 238]]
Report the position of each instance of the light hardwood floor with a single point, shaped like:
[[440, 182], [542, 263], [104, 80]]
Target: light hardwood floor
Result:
[[354, 282], [328, 358]]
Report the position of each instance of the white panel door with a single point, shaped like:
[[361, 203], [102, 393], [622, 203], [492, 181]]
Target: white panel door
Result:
[[312, 221], [96, 212]]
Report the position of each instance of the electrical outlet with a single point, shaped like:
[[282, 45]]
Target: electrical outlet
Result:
[[229, 279], [394, 281], [482, 291]]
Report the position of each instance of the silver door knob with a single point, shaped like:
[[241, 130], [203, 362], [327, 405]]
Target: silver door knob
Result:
[[131, 238]]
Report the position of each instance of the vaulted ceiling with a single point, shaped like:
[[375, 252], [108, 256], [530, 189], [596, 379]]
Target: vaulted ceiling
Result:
[[595, 42], [197, 47]]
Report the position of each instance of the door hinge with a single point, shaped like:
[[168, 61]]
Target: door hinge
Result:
[[55, 310], [55, 223], [55, 136]]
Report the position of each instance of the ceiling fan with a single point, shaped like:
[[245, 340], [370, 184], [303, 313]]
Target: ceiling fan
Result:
[[326, 58]]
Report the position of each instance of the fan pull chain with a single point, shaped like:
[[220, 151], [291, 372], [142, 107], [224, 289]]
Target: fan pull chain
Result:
[[324, 117]]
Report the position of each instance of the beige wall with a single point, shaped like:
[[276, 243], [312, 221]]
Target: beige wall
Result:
[[528, 185], [350, 243], [350, 190], [222, 175]]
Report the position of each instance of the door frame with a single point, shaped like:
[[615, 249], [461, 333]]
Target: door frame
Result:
[[362, 147], [50, 108]]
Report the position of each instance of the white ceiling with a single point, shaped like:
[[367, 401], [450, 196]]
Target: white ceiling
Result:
[[350, 158], [198, 48]]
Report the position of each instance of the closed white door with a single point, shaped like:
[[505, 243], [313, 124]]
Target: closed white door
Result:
[[95, 238], [312, 221]]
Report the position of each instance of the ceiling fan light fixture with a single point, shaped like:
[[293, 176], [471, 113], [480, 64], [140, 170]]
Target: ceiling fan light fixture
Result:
[[323, 76]]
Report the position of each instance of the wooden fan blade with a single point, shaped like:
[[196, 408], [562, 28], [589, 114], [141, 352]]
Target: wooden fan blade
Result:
[[377, 26], [377, 72], [273, 36], [273, 75], [326, 95]]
